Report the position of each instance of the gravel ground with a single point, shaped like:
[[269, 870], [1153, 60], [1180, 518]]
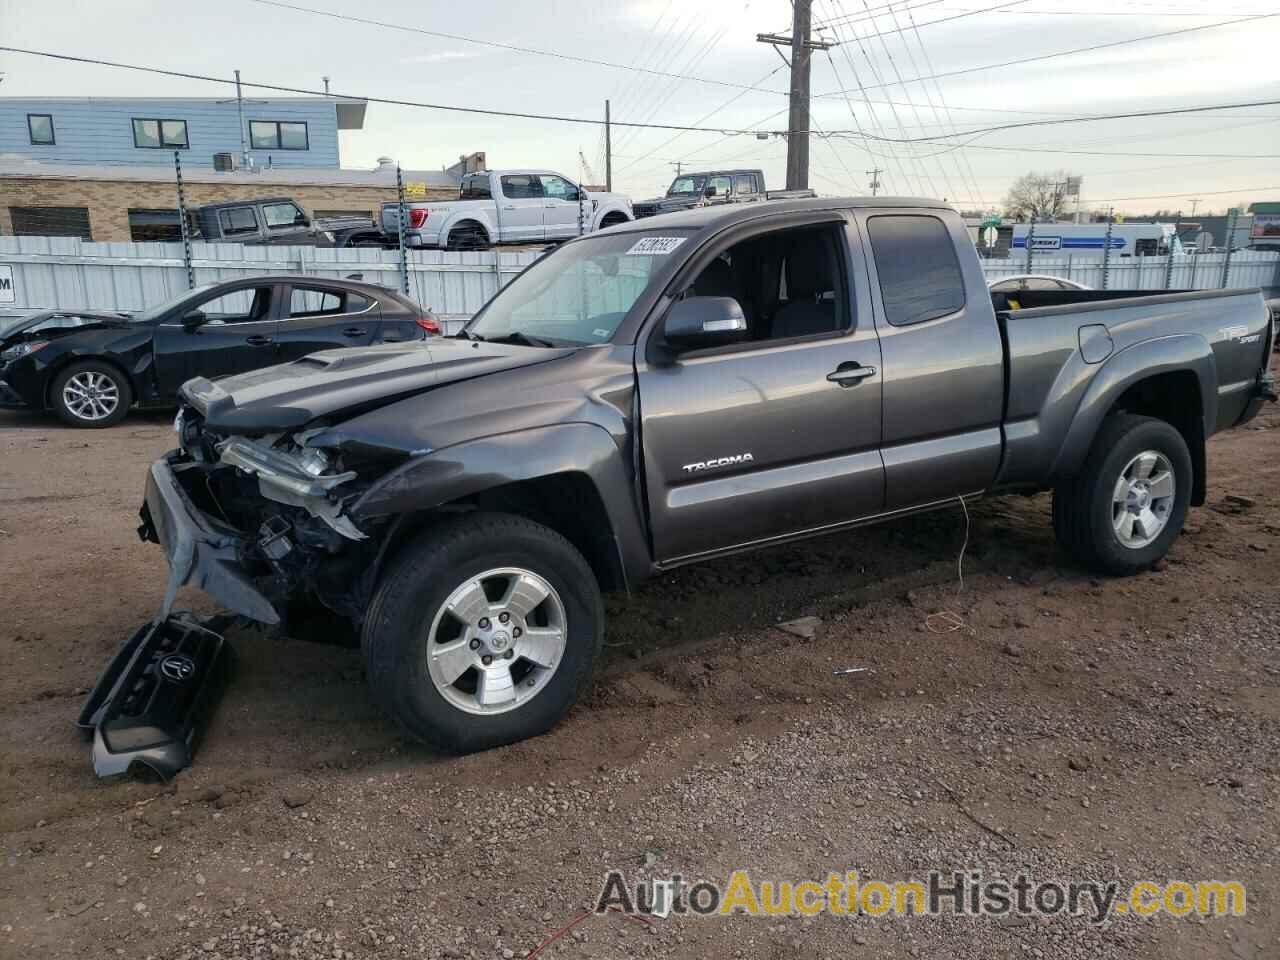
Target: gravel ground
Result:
[[1068, 727]]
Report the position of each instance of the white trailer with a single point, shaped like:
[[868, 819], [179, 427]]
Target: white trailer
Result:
[[1127, 239]]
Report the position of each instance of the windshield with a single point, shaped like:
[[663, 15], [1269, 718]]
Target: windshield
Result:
[[154, 313], [578, 294], [682, 185]]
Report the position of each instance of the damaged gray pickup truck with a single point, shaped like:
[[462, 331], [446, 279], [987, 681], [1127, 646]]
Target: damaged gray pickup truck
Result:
[[669, 391]]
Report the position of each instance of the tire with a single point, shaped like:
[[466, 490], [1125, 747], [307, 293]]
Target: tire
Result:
[[1089, 510], [410, 616], [467, 236], [91, 394]]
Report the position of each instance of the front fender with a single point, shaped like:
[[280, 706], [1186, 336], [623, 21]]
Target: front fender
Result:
[[465, 469], [606, 208], [1172, 354]]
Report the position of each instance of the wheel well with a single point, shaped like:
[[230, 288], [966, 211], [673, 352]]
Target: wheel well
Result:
[[566, 502], [74, 361], [369, 236], [468, 224], [611, 218], [1175, 398]]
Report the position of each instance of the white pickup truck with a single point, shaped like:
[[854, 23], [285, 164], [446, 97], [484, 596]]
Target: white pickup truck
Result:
[[506, 206]]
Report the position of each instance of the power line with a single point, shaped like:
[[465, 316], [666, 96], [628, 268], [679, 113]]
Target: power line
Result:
[[1067, 53], [723, 131], [497, 45]]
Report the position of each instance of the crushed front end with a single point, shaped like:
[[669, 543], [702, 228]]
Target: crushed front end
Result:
[[258, 521]]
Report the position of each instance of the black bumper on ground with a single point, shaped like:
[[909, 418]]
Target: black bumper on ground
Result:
[[150, 703], [202, 551]]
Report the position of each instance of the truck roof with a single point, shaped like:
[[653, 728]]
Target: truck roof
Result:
[[717, 216]]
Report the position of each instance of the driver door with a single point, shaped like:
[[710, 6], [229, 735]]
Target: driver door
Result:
[[237, 334], [560, 208]]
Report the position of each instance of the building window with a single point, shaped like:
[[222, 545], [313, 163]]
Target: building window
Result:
[[278, 135], [162, 134], [147, 224], [50, 222], [40, 127]]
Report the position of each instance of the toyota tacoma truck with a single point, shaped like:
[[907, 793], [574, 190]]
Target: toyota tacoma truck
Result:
[[712, 187], [669, 391], [506, 206]]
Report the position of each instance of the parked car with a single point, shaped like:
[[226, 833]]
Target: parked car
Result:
[[674, 390], [506, 206], [275, 221], [90, 368], [1031, 281], [712, 187]]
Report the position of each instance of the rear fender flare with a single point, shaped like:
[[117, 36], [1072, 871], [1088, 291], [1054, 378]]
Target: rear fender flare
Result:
[[1172, 354], [472, 467]]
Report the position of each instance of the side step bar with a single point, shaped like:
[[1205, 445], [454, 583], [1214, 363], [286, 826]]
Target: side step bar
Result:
[[152, 700]]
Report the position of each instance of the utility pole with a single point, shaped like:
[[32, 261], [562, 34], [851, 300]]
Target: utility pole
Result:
[[608, 152], [874, 174], [1194, 203], [326, 85], [798, 118], [244, 149], [678, 164]]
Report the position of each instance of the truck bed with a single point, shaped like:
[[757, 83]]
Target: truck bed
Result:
[[1057, 340]]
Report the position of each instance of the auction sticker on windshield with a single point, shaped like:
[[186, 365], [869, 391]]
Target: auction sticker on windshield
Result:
[[655, 246]]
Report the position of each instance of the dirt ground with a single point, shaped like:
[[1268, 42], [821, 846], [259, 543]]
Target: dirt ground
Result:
[[1070, 727]]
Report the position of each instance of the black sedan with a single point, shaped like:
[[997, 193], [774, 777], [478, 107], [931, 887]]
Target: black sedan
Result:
[[91, 367]]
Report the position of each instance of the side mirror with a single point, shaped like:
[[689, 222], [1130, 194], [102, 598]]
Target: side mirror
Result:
[[697, 322], [192, 320]]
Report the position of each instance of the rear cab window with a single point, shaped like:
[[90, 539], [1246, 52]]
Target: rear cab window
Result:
[[917, 266], [475, 188], [521, 186]]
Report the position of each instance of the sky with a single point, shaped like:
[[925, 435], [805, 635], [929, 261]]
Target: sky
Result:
[[882, 50]]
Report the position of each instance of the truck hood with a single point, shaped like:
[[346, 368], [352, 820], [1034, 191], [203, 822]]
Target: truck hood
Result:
[[649, 208], [348, 381]]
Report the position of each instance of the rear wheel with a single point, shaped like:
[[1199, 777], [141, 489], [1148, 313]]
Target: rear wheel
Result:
[[1125, 508], [467, 236], [483, 632], [91, 394]]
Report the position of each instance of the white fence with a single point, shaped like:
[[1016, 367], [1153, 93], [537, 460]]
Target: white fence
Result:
[[1248, 268], [73, 274], [69, 273]]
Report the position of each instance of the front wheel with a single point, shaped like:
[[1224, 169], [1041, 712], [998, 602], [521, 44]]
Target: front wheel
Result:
[[483, 632], [91, 394], [1125, 508]]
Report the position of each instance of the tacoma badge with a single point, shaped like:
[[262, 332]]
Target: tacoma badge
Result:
[[718, 462]]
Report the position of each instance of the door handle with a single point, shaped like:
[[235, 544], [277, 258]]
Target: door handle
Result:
[[258, 341], [353, 332], [850, 374], [509, 206]]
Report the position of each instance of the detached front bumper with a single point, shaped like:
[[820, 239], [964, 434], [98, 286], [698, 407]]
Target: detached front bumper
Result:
[[201, 550]]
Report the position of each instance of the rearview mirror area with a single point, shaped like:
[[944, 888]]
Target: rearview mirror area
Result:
[[193, 319], [698, 322]]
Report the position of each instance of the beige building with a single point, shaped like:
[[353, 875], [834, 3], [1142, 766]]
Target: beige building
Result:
[[141, 202]]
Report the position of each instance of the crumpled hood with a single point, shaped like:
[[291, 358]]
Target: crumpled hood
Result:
[[348, 381], [52, 324]]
